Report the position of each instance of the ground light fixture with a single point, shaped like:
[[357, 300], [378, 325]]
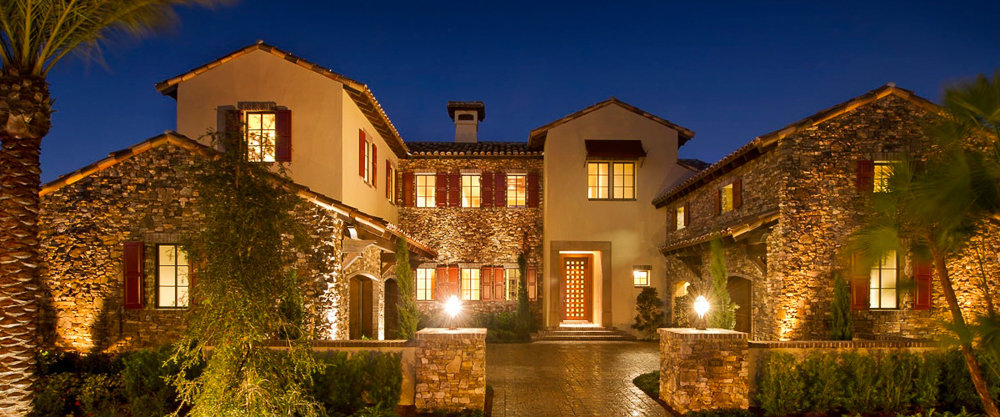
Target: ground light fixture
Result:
[[453, 306], [701, 306]]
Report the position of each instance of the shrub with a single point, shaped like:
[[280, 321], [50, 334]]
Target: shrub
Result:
[[649, 383], [821, 379], [840, 311], [722, 412], [100, 395], [144, 380], [503, 327], [780, 390], [346, 384], [649, 314], [56, 395]]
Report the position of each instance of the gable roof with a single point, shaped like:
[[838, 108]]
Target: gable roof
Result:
[[536, 138], [358, 92], [765, 143], [375, 224], [460, 149]]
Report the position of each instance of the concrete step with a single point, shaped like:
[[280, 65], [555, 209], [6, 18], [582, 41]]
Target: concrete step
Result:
[[582, 334]]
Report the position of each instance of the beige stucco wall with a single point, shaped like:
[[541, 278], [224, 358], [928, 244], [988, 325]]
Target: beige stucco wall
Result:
[[356, 192], [635, 229]]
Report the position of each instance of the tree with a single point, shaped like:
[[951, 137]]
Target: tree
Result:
[[649, 314], [244, 283], [723, 313], [409, 315], [934, 207], [524, 318], [840, 311], [36, 35]]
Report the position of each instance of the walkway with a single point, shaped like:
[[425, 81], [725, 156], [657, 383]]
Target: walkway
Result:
[[571, 379]]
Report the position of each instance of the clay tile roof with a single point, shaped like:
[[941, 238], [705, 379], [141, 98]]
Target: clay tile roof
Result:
[[358, 92], [694, 164], [764, 143], [457, 149], [536, 138]]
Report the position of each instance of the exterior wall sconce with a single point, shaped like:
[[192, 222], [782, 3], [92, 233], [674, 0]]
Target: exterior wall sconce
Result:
[[701, 307]]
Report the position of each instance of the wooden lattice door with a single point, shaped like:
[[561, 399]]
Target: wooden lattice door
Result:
[[576, 288]]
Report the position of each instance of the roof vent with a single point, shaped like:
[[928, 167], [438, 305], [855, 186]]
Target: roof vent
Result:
[[466, 115]]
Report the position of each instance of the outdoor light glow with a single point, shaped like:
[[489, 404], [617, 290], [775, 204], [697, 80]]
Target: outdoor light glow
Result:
[[701, 306], [453, 306]]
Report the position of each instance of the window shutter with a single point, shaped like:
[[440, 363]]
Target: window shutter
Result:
[[388, 181], [455, 189], [737, 193], [361, 153], [441, 190], [718, 201], [923, 273], [687, 214], [486, 283], [499, 284], [374, 166], [859, 287], [531, 281], [441, 283], [865, 180], [132, 267], [486, 181], [672, 220], [409, 189], [500, 190], [230, 125], [454, 283], [283, 127], [532, 198]]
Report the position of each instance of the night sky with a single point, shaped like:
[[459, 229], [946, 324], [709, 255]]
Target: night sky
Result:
[[728, 71]]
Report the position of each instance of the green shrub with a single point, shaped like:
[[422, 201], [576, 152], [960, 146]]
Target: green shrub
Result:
[[503, 327], [145, 384], [821, 379], [347, 384], [56, 395], [840, 310], [649, 314], [780, 390], [100, 395], [649, 383], [721, 412]]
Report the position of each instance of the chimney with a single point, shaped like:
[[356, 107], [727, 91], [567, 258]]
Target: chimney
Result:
[[466, 115]]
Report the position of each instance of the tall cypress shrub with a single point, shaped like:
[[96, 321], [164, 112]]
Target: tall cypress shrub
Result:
[[409, 315], [840, 311], [523, 311], [723, 312]]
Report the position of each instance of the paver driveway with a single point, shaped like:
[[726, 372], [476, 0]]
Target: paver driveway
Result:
[[571, 378]]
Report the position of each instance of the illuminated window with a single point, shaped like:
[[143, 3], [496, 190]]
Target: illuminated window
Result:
[[261, 132], [425, 190], [680, 218], [516, 193], [470, 284], [882, 171], [368, 161], [611, 180], [512, 275], [471, 192], [640, 275], [425, 284], [598, 180], [883, 282], [623, 183], [726, 198], [172, 283]]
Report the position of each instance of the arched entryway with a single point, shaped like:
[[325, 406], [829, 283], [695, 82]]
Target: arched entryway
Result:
[[362, 306], [391, 309], [739, 293]]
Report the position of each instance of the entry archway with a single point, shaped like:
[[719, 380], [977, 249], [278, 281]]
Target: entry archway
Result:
[[740, 294], [391, 309], [362, 308]]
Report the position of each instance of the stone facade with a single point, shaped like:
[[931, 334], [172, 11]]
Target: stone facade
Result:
[[800, 204], [451, 369], [701, 370]]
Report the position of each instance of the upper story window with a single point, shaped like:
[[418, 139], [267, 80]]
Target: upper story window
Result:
[[261, 134], [882, 171], [471, 190], [623, 182], [726, 198], [368, 158], [390, 182], [611, 180], [172, 276], [884, 274], [680, 217], [729, 197], [516, 190], [425, 190], [470, 284], [425, 284]]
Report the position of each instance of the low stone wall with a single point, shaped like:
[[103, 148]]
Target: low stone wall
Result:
[[451, 369], [703, 369]]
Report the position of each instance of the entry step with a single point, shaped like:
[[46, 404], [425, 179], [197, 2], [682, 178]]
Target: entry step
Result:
[[590, 333]]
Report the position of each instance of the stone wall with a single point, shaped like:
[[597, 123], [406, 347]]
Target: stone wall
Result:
[[701, 370], [451, 369]]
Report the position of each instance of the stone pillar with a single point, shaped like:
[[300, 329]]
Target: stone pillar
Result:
[[703, 369], [451, 370]]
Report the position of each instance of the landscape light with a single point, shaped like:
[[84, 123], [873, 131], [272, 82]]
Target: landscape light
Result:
[[453, 306], [701, 307]]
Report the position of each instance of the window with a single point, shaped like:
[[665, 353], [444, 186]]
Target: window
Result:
[[261, 132], [512, 275], [516, 186], [883, 282], [882, 171], [172, 282], [640, 275], [425, 190], [425, 284], [390, 182], [471, 191], [368, 162], [680, 218], [726, 198], [611, 181], [470, 284]]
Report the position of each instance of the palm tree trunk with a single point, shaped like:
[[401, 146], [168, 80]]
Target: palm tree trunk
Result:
[[970, 358], [24, 120]]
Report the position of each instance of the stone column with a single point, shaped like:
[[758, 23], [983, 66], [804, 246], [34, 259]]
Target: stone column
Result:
[[451, 369], [703, 369]]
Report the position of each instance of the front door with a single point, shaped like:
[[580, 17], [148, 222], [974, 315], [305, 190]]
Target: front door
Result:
[[576, 287]]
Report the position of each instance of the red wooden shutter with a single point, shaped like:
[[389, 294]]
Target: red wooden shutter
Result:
[[409, 189], [454, 282], [283, 126], [455, 189], [672, 219], [374, 166], [441, 189], [859, 286], [486, 283], [923, 273], [441, 283], [687, 214], [361, 153], [718, 201], [486, 181], [532, 189], [132, 267], [499, 284], [737, 193], [531, 281], [500, 190], [865, 180], [388, 180]]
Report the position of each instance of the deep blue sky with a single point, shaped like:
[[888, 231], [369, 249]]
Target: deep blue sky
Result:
[[729, 71]]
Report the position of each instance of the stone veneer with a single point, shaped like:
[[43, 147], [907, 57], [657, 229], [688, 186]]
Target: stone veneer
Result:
[[703, 369], [451, 369]]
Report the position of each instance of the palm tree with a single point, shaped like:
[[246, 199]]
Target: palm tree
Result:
[[934, 207], [36, 35]]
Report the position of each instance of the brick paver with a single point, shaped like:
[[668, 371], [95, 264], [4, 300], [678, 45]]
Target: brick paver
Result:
[[571, 379]]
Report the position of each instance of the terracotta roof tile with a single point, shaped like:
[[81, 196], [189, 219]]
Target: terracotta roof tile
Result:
[[456, 149]]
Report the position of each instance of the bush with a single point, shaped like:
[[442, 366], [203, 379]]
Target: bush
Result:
[[145, 384], [840, 311], [722, 412], [780, 390], [649, 313], [649, 383], [347, 384], [503, 327]]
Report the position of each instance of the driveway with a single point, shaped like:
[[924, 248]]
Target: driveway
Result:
[[571, 378]]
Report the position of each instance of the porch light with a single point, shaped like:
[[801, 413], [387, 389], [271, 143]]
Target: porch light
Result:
[[701, 307], [453, 306]]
